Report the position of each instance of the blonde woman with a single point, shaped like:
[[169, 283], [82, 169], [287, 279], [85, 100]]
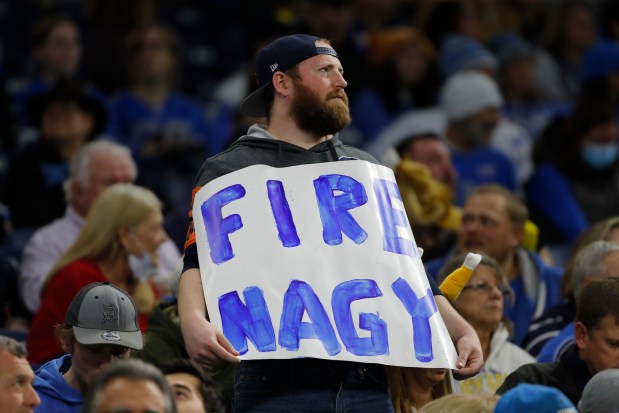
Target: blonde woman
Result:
[[413, 387], [117, 244], [462, 403], [481, 303]]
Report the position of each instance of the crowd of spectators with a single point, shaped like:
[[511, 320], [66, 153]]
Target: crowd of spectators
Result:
[[500, 119]]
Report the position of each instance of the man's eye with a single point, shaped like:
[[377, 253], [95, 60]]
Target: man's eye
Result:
[[120, 352], [179, 394]]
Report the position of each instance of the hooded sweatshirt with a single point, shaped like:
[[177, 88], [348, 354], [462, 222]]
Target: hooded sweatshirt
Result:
[[55, 393], [504, 358], [259, 147]]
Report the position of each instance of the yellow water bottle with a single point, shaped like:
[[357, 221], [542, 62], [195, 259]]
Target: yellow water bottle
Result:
[[452, 286]]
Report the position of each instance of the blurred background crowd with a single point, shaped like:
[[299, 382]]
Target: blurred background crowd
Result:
[[499, 118], [519, 93]]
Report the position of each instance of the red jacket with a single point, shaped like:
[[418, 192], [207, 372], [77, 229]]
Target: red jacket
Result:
[[42, 342]]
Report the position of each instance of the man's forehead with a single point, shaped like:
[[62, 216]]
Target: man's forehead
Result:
[[12, 365], [182, 378], [609, 324], [489, 200], [322, 59]]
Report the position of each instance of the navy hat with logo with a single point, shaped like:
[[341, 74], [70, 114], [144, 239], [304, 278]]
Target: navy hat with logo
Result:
[[101, 313], [279, 56]]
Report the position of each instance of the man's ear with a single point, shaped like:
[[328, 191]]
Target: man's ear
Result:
[[66, 344], [518, 234], [581, 334], [281, 83]]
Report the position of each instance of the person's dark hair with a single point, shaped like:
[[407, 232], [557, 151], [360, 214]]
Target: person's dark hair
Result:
[[131, 369], [136, 37], [64, 333], [13, 347], [210, 392], [608, 15], [44, 27], [556, 28], [405, 146], [443, 19], [598, 299], [135, 43], [590, 111]]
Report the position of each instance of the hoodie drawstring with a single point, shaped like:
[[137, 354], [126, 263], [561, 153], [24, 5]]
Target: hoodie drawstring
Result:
[[333, 151]]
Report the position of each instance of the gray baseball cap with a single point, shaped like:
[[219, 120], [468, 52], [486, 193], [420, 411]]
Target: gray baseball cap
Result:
[[101, 313]]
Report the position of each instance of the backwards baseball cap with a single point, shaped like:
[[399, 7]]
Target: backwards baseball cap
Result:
[[101, 313], [279, 56]]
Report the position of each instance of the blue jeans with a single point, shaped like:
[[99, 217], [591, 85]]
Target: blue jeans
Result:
[[310, 385]]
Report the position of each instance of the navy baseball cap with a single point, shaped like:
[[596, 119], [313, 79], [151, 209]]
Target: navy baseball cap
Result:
[[279, 56]]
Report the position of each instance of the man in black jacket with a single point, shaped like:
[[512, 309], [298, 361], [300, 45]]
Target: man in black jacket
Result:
[[596, 349]]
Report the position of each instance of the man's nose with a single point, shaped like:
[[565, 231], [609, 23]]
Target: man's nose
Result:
[[31, 398], [340, 81]]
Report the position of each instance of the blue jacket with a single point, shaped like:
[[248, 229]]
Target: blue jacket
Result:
[[55, 393], [482, 166], [549, 194], [549, 325], [554, 347], [536, 289]]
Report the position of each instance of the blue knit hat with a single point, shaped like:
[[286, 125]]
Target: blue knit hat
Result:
[[508, 46], [463, 52], [534, 398], [600, 60]]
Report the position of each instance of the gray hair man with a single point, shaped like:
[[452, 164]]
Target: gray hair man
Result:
[[97, 165], [130, 386], [16, 377]]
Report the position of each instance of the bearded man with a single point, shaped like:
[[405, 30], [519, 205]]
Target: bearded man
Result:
[[301, 95]]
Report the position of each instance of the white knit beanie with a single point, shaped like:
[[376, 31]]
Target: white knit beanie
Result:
[[467, 93]]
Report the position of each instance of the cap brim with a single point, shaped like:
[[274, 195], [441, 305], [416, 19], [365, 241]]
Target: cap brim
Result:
[[131, 339], [254, 105]]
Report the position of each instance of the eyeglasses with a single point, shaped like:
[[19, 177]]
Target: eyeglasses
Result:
[[487, 288]]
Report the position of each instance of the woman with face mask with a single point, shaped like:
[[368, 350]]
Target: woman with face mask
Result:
[[117, 244], [577, 179]]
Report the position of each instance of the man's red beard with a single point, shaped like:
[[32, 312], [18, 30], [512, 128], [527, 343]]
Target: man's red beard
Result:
[[315, 115]]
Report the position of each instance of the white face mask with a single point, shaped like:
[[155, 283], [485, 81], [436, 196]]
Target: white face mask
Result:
[[142, 267]]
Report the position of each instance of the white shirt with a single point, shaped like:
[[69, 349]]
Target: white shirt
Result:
[[504, 358]]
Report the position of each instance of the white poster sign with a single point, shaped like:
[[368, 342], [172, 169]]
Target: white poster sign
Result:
[[317, 261]]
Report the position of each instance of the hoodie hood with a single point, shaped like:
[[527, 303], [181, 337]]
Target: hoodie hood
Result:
[[55, 393], [259, 147], [258, 137]]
